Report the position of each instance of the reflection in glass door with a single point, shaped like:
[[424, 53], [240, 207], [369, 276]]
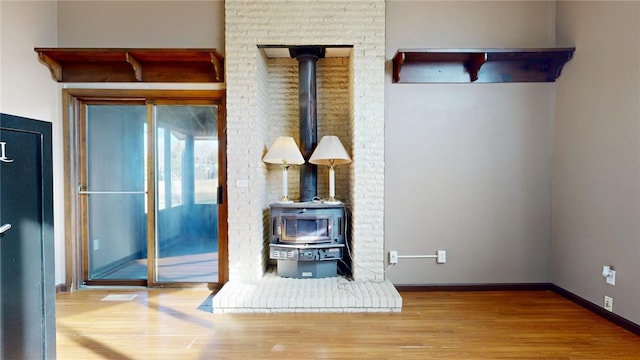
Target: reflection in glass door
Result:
[[149, 198], [186, 241]]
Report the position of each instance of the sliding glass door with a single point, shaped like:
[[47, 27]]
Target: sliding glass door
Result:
[[149, 192], [114, 192], [186, 241]]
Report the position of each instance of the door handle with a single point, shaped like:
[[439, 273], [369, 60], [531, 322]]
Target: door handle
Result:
[[4, 228]]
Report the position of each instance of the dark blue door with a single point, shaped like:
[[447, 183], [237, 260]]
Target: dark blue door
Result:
[[27, 320]]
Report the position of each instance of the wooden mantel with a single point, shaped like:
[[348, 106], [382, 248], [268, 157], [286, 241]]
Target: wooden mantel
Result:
[[133, 65], [479, 65]]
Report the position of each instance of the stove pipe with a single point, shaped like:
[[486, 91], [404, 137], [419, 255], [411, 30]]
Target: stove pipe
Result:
[[307, 57]]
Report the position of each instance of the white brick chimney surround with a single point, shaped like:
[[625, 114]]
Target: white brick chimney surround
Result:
[[262, 104]]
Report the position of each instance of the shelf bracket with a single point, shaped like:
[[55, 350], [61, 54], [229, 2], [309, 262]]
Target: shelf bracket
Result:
[[54, 67], [216, 66], [398, 60], [473, 65], [137, 68], [557, 63]]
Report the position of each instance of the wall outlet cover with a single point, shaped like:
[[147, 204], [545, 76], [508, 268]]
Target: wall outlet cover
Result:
[[611, 279], [393, 257], [608, 303]]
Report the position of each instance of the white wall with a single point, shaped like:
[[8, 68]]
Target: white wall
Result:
[[144, 24], [596, 206], [468, 166], [27, 89]]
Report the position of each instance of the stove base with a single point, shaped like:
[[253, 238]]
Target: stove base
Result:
[[307, 269]]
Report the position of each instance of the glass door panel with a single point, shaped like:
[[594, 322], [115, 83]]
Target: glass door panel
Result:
[[186, 241], [113, 192]]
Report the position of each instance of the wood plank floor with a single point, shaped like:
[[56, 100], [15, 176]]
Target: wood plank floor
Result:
[[178, 324]]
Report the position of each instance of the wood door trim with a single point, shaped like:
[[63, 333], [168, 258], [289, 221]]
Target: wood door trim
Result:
[[83, 200], [151, 195], [73, 100]]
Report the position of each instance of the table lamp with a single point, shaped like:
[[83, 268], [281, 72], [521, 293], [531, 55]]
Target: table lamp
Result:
[[330, 152], [285, 152]]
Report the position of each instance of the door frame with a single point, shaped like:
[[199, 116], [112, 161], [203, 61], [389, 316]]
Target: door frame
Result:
[[73, 100]]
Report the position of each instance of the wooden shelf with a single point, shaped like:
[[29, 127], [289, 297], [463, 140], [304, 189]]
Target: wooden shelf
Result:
[[133, 65], [479, 65]]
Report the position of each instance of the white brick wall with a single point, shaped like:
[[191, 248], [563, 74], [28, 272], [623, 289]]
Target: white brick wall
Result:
[[262, 104]]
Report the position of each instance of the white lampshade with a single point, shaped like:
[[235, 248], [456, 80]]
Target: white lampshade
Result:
[[330, 152], [284, 151]]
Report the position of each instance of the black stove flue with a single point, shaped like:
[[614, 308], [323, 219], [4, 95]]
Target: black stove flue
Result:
[[307, 57]]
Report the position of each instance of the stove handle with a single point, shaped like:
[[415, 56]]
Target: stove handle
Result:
[[4, 228]]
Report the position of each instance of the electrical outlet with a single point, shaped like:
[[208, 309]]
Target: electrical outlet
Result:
[[393, 257], [442, 257], [96, 244], [611, 279], [608, 303]]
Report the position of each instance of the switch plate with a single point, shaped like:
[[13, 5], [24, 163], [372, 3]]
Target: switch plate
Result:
[[608, 303], [442, 257], [96, 244], [393, 257]]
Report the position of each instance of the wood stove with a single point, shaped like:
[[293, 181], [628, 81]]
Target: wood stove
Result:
[[308, 239]]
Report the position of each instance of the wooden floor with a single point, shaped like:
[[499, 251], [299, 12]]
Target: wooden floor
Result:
[[178, 324]]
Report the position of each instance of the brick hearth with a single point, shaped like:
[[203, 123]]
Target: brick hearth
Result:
[[336, 294]]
